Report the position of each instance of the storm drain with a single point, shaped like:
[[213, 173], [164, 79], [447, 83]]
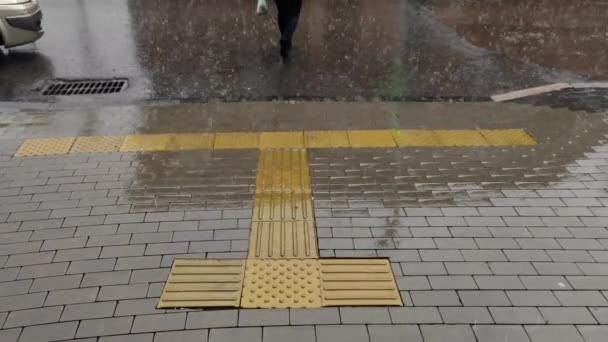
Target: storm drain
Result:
[[84, 87]]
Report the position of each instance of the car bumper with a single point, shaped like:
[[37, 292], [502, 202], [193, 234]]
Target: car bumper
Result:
[[20, 24]]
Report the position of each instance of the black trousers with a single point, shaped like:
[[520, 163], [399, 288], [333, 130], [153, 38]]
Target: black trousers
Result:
[[289, 14]]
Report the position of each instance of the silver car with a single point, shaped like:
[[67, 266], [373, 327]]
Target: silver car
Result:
[[20, 22]]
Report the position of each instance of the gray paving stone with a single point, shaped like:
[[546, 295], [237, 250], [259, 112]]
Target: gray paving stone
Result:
[[77, 254], [556, 333], [512, 268], [104, 327], [72, 296], [178, 226], [550, 232], [523, 315], [204, 235], [448, 221], [87, 311], [21, 302], [470, 315], [484, 298], [532, 298], [10, 335], [452, 333], [56, 283], [150, 275], [165, 216], [486, 333], [423, 268], [314, 316], [119, 292], [390, 333], [483, 255], [182, 336], [413, 243], [12, 288], [98, 265], [263, 317], [588, 282], [46, 270], [49, 332], [129, 263], [452, 282], [84, 221], [364, 315], [463, 232], [455, 243], [428, 232], [220, 224], [570, 315], [435, 298], [58, 233], [400, 255], [496, 243], [415, 315], [570, 256], [106, 278], [342, 333], [154, 237], [506, 232], [593, 333], [581, 298], [215, 246], [128, 338], [413, 283], [15, 237], [122, 251], [467, 268], [213, 319], [296, 334], [9, 227], [599, 269], [106, 229], [545, 283], [583, 244], [203, 215], [236, 335], [557, 268], [527, 255], [126, 228], [167, 248], [69, 212], [441, 255], [124, 218], [137, 307], [600, 314], [29, 259], [160, 322], [33, 317], [68, 243], [538, 243], [8, 274], [111, 209]]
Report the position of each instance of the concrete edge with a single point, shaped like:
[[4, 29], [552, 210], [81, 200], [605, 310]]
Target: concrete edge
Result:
[[517, 94]]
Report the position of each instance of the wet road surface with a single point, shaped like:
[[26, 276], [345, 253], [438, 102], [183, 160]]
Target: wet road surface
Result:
[[219, 50]]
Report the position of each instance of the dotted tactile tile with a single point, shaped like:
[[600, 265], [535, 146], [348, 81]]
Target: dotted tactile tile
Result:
[[283, 171], [282, 284], [358, 282], [45, 146], [283, 239], [97, 144], [508, 137], [195, 283]]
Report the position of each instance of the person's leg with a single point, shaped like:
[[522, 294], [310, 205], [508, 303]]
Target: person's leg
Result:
[[289, 14], [281, 15]]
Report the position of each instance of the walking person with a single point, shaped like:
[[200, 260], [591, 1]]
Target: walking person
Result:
[[288, 16]]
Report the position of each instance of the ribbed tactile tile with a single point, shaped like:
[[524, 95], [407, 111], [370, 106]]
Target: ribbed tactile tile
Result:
[[283, 207], [358, 282], [283, 171], [282, 284], [98, 144], [407, 138], [461, 138], [45, 146], [195, 283], [283, 239]]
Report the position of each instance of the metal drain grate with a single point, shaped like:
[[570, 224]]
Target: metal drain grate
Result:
[[84, 87]]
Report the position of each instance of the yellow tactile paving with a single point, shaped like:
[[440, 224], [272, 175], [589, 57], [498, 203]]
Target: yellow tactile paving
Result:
[[278, 140], [358, 282], [326, 139], [283, 171], [371, 138], [461, 138], [45, 146], [97, 144], [282, 283], [225, 141], [203, 283], [410, 138], [283, 207], [281, 140], [508, 137], [145, 143], [283, 239]]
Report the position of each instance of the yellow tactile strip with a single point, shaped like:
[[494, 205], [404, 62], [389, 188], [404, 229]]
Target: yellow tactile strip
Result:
[[203, 283], [283, 269], [283, 239], [358, 282], [277, 140], [282, 283]]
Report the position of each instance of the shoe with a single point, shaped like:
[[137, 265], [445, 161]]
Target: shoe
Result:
[[285, 49]]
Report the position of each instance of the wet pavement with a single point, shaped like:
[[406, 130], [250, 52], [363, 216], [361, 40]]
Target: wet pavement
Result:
[[182, 50]]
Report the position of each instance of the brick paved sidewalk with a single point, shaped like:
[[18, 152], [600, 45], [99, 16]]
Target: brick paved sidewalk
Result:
[[484, 248]]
